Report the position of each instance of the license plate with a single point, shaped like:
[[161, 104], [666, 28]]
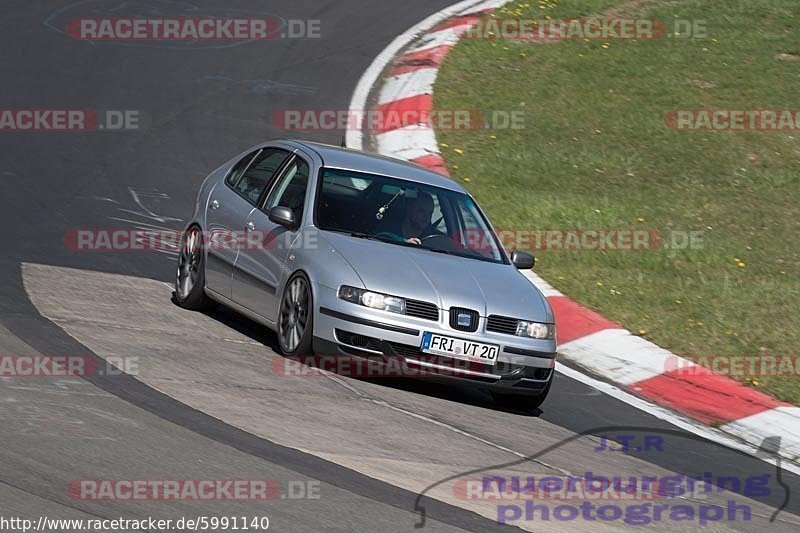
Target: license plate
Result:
[[459, 348]]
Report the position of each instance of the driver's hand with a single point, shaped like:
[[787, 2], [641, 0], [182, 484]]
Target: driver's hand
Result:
[[413, 240]]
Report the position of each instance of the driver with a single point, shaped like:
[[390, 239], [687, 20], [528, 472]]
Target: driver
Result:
[[417, 218]]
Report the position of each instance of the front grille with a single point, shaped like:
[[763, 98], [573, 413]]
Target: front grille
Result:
[[424, 310], [473, 317], [502, 324]]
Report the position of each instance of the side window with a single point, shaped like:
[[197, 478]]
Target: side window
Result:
[[290, 189], [253, 173], [238, 169]]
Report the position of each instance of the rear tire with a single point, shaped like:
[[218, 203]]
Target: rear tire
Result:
[[190, 280]]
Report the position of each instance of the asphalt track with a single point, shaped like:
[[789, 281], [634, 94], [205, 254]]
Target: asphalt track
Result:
[[207, 403]]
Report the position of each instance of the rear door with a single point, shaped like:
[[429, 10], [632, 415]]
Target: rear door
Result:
[[230, 203]]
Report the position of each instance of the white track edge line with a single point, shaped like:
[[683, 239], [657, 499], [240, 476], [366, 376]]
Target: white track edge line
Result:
[[354, 138]]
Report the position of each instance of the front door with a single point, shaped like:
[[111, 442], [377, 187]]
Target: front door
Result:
[[261, 264]]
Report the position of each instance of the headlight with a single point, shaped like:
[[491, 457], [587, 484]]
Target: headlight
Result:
[[374, 300], [536, 330]]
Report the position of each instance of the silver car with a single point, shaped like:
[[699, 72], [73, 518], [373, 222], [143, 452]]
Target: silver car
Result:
[[348, 254]]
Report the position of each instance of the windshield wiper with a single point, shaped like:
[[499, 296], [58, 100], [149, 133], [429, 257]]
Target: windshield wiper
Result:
[[360, 235], [469, 254], [370, 236]]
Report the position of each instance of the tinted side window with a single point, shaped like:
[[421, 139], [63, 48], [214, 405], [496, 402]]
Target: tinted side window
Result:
[[238, 169], [290, 190], [252, 175]]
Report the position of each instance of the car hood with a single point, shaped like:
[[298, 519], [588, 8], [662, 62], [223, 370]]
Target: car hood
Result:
[[446, 280]]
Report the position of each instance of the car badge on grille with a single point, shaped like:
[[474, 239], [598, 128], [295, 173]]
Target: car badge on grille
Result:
[[463, 319]]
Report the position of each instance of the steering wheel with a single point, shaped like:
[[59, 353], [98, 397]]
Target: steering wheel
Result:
[[391, 235]]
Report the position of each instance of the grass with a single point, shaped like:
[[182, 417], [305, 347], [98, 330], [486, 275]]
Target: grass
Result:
[[595, 153]]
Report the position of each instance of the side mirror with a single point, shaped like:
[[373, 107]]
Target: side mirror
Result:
[[522, 260], [283, 216]]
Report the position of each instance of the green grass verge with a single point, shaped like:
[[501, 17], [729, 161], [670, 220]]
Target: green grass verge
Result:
[[595, 153]]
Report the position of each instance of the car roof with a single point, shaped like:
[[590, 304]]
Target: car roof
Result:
[[347, 159]]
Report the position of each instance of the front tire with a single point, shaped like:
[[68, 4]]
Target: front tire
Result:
[[296, 317], [190, 280]]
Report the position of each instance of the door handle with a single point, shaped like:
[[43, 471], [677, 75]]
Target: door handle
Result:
[[250, 226], [214, 205]]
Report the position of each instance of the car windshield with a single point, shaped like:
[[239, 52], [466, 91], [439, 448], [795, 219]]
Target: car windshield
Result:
[[405, 213]]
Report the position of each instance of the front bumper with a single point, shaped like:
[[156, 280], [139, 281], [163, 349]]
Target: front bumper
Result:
[[523, 366]]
